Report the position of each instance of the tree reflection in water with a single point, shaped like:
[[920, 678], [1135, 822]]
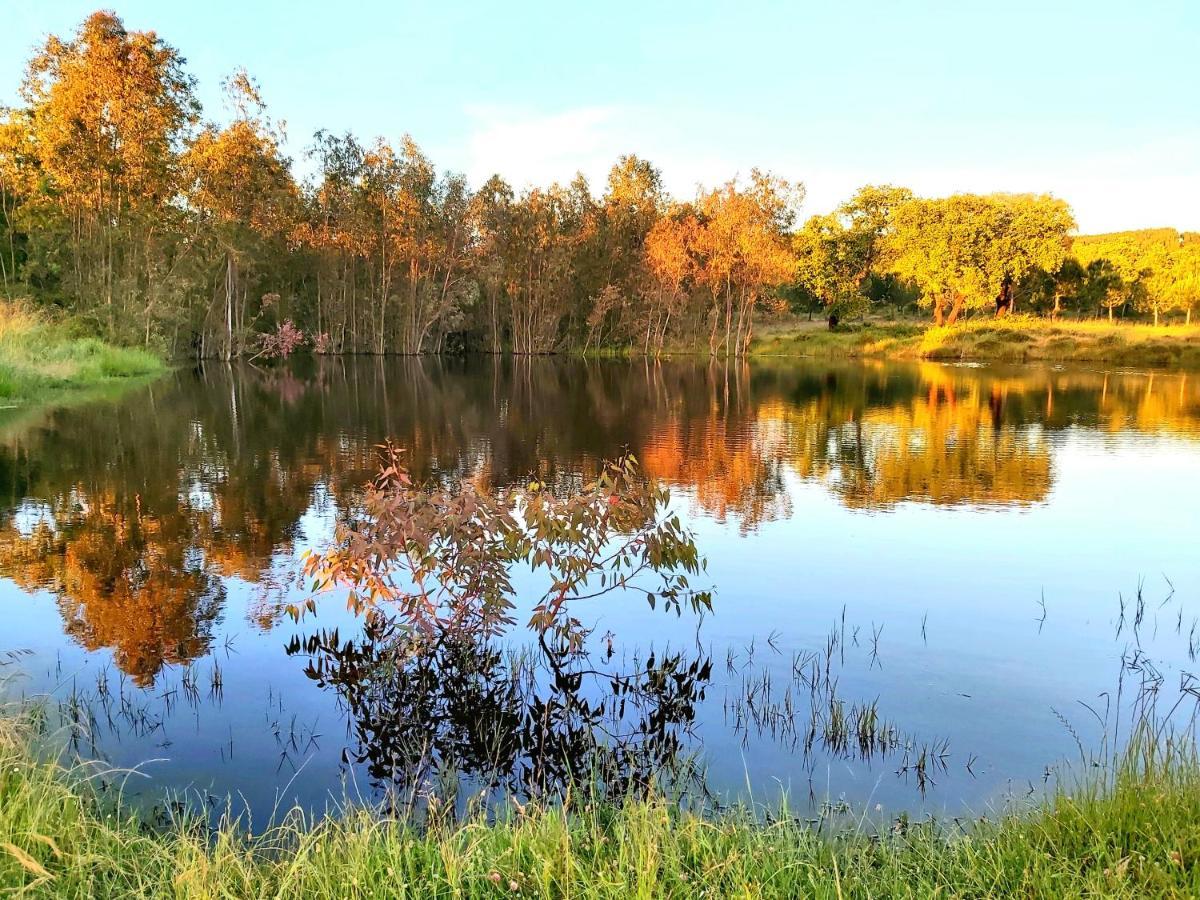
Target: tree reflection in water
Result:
[[527, 723], [137, 515]]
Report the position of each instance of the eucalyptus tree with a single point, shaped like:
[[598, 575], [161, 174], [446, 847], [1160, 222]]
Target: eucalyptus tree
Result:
[[672, 266], [745, 253], [490, 217], [240, 190], [546, 228], [106, 114], [633, 201], [17, 187]]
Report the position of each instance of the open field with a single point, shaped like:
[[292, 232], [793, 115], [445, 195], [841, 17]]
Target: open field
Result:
[[1014, 339], [40, 357], [1132, 831]]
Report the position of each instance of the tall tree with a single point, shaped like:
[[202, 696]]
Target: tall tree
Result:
[[633, 201], [242, 192], [107, 114], [746, 253], [490, 216], [672, 265]]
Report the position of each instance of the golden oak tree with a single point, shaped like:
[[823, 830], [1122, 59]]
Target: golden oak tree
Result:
[[964, 250]]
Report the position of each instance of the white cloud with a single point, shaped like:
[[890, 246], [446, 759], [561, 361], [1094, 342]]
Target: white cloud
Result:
[[530, 148]]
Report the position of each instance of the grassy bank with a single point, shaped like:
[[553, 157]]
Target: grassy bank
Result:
[[40, 358], [1015, 339], [1133, 833]]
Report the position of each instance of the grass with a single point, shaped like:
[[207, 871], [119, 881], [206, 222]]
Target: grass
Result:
[[1134, 831], [1012, 339], [40, 358]]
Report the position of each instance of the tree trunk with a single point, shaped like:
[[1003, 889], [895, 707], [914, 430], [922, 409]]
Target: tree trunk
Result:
[[229, 289], [955, 309]]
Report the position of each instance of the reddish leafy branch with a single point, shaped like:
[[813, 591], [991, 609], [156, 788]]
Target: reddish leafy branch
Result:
[[442, 559]]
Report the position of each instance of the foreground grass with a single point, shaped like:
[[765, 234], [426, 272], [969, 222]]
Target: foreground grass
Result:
[[1013, 339], [1134, 833], [40, 358]]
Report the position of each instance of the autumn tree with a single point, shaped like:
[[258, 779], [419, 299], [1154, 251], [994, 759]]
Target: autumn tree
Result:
[[966, 251], [107, 112], [672, 264], [392, 240], [242, 193], [18, 184], [119, 206], [745, 253], [547, 228], [490, 220], [633, 202]]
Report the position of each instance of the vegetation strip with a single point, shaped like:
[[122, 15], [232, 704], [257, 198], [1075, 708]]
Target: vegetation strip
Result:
[[1010, 339], [1134, 832], [40, 358]]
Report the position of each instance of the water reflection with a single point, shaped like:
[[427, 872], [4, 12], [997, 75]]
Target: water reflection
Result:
[[138, 515], [532, 722]]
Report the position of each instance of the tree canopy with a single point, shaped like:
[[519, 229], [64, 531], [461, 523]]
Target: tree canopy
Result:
[[963, 251], [124, 206]]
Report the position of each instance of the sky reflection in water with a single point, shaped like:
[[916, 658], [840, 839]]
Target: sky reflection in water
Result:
[[915, 515]]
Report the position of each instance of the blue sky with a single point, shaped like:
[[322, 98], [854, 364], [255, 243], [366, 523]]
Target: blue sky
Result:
[[1097, 102]]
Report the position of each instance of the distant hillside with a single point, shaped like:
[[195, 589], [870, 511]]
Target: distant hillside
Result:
[[1164, 237]]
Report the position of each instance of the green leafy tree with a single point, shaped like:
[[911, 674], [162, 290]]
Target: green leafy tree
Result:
[[967, 250], [1159, 268], [829, 267]]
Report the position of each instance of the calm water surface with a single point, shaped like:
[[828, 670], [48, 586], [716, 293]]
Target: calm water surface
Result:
[[952, 544]]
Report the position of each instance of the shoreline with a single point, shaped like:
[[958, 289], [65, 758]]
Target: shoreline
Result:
[[1133, 830], [1017, 339]]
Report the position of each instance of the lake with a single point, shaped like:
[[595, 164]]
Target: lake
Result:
[[975, 567]]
